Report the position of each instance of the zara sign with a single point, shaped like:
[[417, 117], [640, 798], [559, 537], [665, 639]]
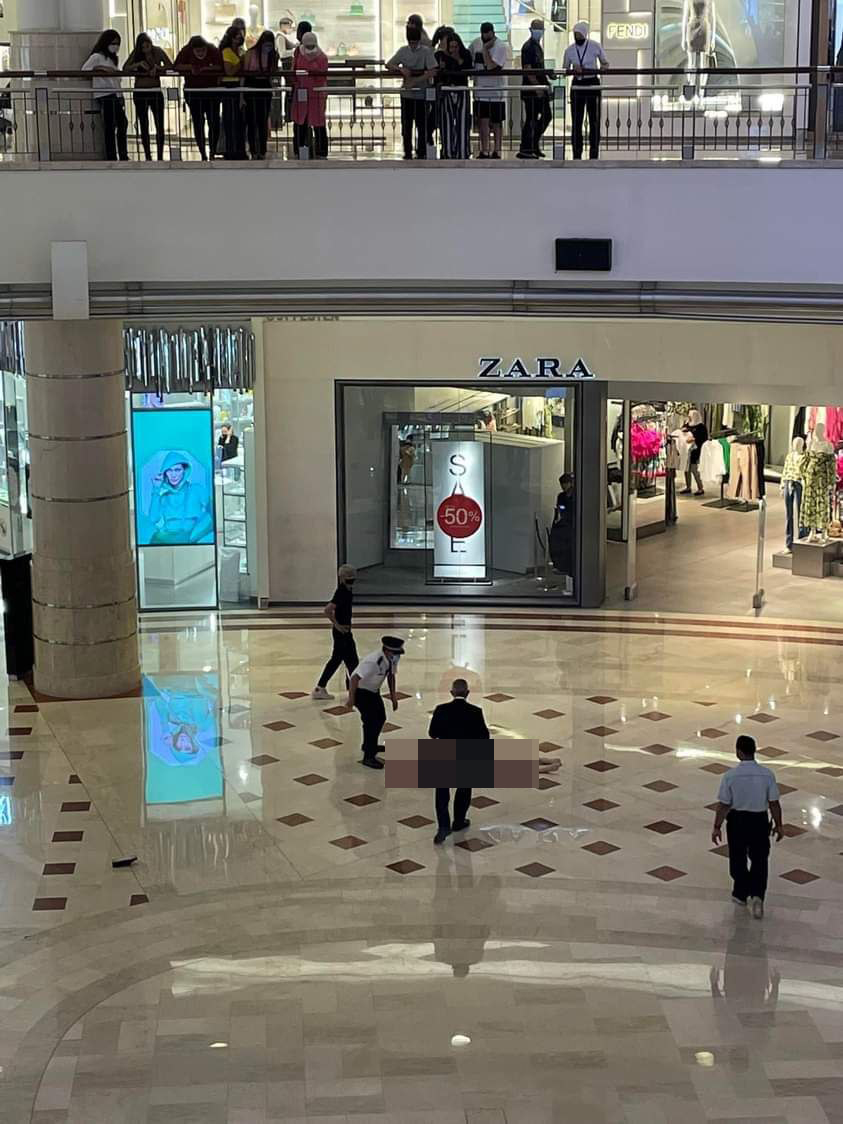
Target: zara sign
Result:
[[542, 367]]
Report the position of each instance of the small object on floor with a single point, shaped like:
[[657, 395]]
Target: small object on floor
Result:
[[124, 862], [549, 764], [440, 837], [372, 763], [757, 909], [739, 901], [321, 693], [461, 826]]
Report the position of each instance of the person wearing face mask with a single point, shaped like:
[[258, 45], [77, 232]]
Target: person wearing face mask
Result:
[[490, 58], [416, 63], [201, 65], [584, 60], [259, 66], [535, 95], [417, 21], [310, 75], [455, 65], [108, 95], [364, 693], [233, 123]]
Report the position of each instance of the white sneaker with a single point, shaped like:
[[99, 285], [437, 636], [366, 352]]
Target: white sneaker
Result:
[[321, 693], [757, 908]]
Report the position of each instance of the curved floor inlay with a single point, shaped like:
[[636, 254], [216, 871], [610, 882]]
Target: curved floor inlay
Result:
[[288, 905]]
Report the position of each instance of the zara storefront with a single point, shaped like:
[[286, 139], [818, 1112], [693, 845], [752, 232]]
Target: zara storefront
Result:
[[457, 459]]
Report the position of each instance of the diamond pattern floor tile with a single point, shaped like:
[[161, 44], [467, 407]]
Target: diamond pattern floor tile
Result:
[[762, 717], [602, 731], [483, 802], [404, 866], [474, 844], [601, 766], [657, 749], [717, 768], [601, 805], [548, 714], [263, 759], [654, 716], [499, 697], [712, 732], [799, 876], [347, 842], [546, 782], [293, 694], [416, 821], [660, 786], [534, 870], [539, 824], [279, 725], [600, 847], [362, 800], [666, 873], [662, 827], [601, 700], [822, 736], [325, 743], [295, 819], [310, 779]]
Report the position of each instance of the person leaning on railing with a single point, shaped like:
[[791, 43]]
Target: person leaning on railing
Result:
[[259, 67], [233, 122], [201, 65], [416, 63], [535, 94], [148, 62], [108, 94], [310, 75], [455, 65]]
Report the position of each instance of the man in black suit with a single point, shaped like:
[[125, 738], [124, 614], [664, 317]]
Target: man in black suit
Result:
[[456, 719]]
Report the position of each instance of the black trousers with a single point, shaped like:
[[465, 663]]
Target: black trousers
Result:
[[204, 106], [233, 126], [462, 799], [146, 102], [312, 137], [258, 105], [537, 117], [585, 99], [414, 115], [115, 126], [748, 836], [343, 651], [373, 716]]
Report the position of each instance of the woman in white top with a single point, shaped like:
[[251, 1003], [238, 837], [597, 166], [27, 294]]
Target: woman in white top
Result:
[[108, 94]]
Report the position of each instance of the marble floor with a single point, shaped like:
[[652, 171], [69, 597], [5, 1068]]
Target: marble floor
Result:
[[290, 946]]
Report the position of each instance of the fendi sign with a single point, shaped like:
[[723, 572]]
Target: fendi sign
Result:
[[542, 367]]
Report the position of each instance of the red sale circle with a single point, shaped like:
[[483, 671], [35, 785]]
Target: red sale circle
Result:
[[459, 517]]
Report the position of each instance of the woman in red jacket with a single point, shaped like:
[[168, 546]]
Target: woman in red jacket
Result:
[[310, 78]]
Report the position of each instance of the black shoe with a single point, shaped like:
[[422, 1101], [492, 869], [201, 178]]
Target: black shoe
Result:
[[372, 763], [407, 156], [483, 156], [526, 156], [381, 749], [495, 156], [461, 826], [540, 155], [441, 836], [685, 492], [699, 493]]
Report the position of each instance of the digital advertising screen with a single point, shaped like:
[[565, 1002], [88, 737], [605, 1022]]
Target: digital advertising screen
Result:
[[181, 738], [174, 477]]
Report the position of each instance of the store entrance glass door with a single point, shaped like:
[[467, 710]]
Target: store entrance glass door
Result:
[[475, 498]]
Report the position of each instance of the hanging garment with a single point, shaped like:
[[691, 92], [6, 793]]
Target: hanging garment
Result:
[[726, 446], [728, 415], [819, 471], [683, 448], [760, 462], [799, 427], [834, 424], [793, 511], [743, 473], [712, 466]]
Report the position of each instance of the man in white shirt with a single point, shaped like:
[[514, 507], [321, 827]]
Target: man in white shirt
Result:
[[364, 693], [490, 58], [746, 793], [583, 61]]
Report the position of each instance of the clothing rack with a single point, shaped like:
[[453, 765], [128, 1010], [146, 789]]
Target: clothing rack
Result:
[[722, 502]]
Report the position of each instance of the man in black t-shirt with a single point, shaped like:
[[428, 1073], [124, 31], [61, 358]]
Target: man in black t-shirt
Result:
[[535, 94], [338, 612]]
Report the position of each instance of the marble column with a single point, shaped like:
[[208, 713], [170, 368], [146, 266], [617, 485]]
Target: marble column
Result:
[[83, 567]]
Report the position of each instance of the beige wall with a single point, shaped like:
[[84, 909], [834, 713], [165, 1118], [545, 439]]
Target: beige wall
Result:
[[303, 359]]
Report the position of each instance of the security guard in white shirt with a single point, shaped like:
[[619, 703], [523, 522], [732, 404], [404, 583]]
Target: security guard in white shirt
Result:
[[746, 793], [364, 693]]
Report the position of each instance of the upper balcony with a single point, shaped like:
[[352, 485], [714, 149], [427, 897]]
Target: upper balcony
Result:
[[653, 115], [720, 196]]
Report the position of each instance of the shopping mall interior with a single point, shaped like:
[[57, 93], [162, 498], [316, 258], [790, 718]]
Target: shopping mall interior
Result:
[[247, 408]]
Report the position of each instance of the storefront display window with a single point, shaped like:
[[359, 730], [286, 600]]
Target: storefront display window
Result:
[[451, 490], [193, 498], [15, 514]]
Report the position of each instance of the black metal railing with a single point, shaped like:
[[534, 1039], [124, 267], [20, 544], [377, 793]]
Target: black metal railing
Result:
[[357, 115]]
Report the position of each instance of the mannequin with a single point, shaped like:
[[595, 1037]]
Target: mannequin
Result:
[[699, 22], [791, 489], [819, 473]]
